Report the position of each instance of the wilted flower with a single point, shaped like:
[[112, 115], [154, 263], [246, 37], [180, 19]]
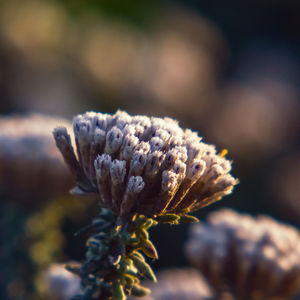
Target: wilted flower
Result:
[[179, 284], [144, 165], [253, 258], [29, 160]]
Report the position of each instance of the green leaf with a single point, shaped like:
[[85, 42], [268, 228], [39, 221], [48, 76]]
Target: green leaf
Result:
[[130, 239], [188, 219], [167, 218], [140, 220], [143, 234], [126, 264], [147, 224], [117, 291], [143, 268], [138, 254], [149, 249], [139, 291], [129, 279]]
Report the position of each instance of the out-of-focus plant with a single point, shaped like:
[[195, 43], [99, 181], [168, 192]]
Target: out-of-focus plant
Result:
[[60, 284], [29, 160], [251, 258], [45, 238], [15, 283], [32, 212], [144, 171], [179, 284]]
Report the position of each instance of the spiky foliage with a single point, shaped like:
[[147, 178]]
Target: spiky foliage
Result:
[[144, 170]]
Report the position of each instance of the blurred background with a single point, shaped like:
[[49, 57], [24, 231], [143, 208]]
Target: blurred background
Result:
[[227, 70]]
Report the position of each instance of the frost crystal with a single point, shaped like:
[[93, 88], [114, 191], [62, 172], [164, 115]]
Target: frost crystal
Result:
[[144, 165]]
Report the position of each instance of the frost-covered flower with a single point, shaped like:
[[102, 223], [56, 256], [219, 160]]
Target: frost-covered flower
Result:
[[144, 165], [29, 159], [253, 258]]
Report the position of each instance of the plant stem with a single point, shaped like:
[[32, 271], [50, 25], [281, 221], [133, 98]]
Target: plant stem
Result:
[[115, 260]]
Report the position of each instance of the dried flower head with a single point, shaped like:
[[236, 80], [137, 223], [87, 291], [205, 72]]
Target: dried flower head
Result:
[[144, 170], [179, 284], [253, 258], [144, 165], [29, 159]]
